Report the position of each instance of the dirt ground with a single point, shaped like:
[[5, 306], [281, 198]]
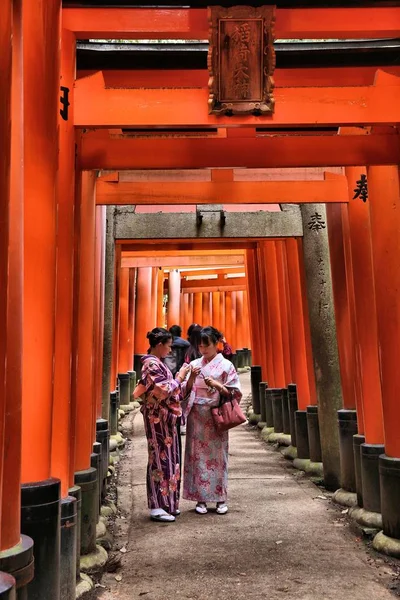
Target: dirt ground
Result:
[[282, 537]]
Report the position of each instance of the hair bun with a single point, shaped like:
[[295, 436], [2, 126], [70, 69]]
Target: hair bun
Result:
[[148, 334]]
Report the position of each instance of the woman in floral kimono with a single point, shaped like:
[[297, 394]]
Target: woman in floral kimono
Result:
[[206, 456], [162, 396]]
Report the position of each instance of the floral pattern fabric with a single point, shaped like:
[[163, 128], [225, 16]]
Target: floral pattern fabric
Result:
[[161, 407], [206, 453]]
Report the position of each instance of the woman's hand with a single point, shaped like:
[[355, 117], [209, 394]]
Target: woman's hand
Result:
[[183, 371], [194, 373], [213, 383]]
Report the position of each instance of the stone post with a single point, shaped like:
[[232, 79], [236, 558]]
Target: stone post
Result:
[[323, 336]]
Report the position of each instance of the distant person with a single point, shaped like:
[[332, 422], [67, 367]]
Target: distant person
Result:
[[193, 351], [179, 347], [226, 348]]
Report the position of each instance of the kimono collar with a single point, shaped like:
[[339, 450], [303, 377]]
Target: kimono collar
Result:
[[216, 360]]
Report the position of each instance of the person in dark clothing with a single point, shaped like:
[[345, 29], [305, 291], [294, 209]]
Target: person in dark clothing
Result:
[[179, 347]]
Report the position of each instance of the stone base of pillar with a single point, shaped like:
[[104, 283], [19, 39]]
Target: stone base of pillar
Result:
[[285, 412], [69, 519], [95, 463], [94, 562], [76, 493], [255, 379], [262, 387], [347, 422], [309, 467], [137, 365], [370, 476], [103, 437], [18, 562], [303, 450], [266, 432], [345, 498], [7, 587], [366, 518], [277, 409], [292, 399], [389, 474], [261, 424], [269, 413], [314, 439], [387, 545], [124, 388], [282, 439], [40, 520], [83, 585], [290, 452], [358, 439], [132, 384], [87, 481]]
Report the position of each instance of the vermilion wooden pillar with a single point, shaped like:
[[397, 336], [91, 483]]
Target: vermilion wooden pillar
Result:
[[297, 307], [222, 311], [271, 268], [284, 310], [215, 310], [307, 331], [369, 410], [11, 274], [345, 333], [124, 361], [247, 342], [84, 323], [131, 316], [41, 81], [63, 410], [154, 296], [160, 298], [254, 314], [233, 340], [240, 337], [198, 308], [261, 293], [174, 294], [142, 320], [206, 319], [186, 316], [383, 188], [228, 317], [115, 338], [99, 280], [190, 308]]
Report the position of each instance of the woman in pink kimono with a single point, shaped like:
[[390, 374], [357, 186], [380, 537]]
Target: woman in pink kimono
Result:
[[206, 455], [162, 396]]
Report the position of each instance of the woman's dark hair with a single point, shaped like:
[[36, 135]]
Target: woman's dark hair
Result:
[[194, 341], [210, 335], [158, 335], [190, 329]]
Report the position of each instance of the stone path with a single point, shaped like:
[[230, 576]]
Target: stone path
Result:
[[280, 539]]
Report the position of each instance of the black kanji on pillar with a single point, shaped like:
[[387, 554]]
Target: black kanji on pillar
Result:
[[64, 102], [361, 191], [316, 222]]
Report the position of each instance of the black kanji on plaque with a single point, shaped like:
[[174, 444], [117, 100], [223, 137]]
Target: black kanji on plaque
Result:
[[64, 102], [361, 191], [316, 222]]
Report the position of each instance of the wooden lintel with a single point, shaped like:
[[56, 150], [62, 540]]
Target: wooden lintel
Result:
[[236, 192], [215, 288], [220, 281], [99, 150], [210, 271], [181, 261], [98, 106], [190, 23]]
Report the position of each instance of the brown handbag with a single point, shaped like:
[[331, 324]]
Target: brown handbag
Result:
[[227, 414]]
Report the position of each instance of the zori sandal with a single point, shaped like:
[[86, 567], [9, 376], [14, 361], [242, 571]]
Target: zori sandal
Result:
[[159, 514], [222, 508], [201, 508]]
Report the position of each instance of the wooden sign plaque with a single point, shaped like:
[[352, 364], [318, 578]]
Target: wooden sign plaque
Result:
[[241, 60]]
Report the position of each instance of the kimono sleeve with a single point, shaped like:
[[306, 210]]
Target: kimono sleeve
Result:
[[157, 382], [232, 383]]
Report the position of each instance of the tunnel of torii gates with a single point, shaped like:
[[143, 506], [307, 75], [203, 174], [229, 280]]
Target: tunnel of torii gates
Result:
[[119, 187]]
